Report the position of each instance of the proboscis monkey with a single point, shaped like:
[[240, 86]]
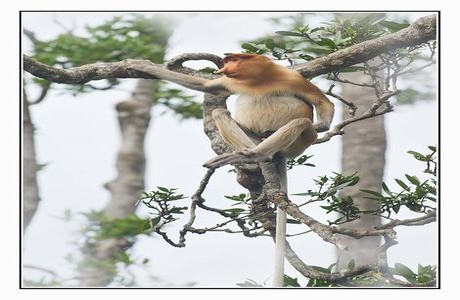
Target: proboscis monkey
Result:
[[273, 115]]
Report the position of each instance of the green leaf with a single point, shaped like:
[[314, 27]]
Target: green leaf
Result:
[[323, 270], [250, 47], [327, 43], [302, 159], [393, 26], [235, 210], [289, 33], [207, 70], [402, 184], [404, 271], [385, 188], [432, 148], [147, 225], [374, 193], [178, 210], [413, 179], [289, 281], [270, 44], [234, 198], [306, 57], [418, 156], [163, 189], [123, 257]]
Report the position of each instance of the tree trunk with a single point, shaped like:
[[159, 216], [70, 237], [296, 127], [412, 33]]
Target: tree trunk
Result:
[[363, 151], [134, 118], [29, 173]]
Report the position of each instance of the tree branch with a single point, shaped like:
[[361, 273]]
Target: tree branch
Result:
[[422, 30]]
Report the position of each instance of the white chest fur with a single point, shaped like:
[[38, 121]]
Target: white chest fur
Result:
[[262, 114]]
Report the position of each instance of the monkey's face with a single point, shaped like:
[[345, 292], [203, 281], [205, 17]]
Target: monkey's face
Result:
[[244, 66]]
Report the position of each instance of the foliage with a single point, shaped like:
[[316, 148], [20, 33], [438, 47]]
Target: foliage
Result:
[[416, 195], [123, 37], [300, 161], [249, 283], [302, 42], [101, 227], [328, 188], [425, 274], [129, 36], [162, 203]]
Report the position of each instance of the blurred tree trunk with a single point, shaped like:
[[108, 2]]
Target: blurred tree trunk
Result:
[[363, 151], [30, 186], [98, 267]]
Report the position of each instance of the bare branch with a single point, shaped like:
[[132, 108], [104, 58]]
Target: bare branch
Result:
[[44, 91], [351, 106], [337, 130], [426, 219], [41, 269], [31, 35]]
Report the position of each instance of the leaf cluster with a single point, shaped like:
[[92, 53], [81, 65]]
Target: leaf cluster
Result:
[[328, 188], [101, 227], [303, 42], [300, 161], [240, 200], [424, 274], [179, 102], [162, 202], [416, 195]]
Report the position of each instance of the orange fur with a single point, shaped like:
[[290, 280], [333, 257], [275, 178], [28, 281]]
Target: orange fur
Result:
[[257, 76]]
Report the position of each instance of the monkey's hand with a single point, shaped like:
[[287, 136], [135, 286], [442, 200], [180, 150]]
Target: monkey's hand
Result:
[[321, 126], [244, 156]]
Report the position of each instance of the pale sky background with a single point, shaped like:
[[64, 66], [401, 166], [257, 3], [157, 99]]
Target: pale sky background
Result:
[[9, 160], [78, 137]]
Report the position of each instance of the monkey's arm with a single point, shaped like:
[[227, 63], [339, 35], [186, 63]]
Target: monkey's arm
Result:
[[323, 107]]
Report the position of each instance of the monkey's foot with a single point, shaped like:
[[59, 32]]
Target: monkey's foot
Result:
[[242, 157]]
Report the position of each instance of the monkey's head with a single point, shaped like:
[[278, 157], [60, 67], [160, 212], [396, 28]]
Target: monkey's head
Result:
[[245, 66]]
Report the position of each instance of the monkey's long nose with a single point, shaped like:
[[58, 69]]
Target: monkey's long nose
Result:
[[222, 70]]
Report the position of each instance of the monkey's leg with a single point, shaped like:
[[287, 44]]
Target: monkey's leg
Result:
[[230, 131], [280, 140], [233, 135], [286, 138]]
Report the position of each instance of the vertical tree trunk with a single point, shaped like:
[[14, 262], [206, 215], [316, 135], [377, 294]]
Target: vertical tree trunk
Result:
[[30, 186], [134, 118], [363, 151]]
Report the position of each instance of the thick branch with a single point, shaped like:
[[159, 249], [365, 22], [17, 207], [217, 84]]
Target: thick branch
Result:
[[422, 30], [279, 198]]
